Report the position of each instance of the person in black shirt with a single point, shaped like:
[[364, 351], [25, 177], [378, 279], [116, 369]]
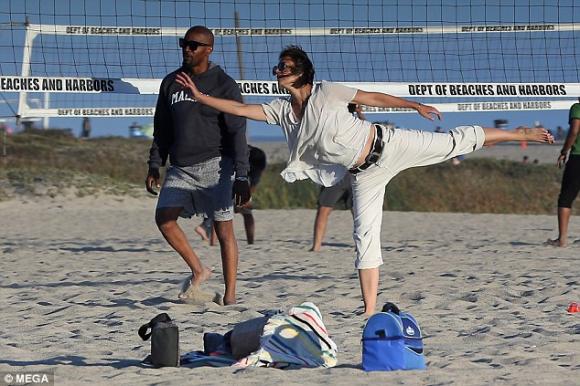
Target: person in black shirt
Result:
[[205, 148], [257, 167]]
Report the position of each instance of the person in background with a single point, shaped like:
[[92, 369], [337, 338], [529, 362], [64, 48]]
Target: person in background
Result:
[[559, 133], [135, 130], [206, 148], [86, 128], [257, 166], [570, 157], [329, 197]]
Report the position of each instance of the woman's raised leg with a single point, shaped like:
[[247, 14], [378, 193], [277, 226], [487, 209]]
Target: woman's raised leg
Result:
[[537, 134]]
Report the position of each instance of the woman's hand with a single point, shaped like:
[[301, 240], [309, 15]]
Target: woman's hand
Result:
[[428, 112], [184, 80], [379, 99], [228, 106]]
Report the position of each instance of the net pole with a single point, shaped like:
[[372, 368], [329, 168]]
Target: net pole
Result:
[[239, 46], [29, 37], [46, 106]]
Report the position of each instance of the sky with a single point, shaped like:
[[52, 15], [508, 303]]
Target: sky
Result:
[[489, 57]]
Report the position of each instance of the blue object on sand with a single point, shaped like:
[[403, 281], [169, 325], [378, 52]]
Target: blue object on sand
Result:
[[392, 340]]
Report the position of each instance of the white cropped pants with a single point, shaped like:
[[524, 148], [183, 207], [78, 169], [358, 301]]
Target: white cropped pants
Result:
[[403, 149]]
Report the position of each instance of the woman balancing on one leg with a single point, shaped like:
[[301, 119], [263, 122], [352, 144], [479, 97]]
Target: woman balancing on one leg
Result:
[[326, 142]]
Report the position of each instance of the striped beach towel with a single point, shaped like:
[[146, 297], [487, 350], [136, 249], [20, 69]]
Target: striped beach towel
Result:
[[293, 340]]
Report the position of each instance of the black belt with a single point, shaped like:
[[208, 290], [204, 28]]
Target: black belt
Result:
[[375, 153]]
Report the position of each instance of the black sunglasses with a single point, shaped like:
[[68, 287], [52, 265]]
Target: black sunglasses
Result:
[[191, 44], [282, 66]]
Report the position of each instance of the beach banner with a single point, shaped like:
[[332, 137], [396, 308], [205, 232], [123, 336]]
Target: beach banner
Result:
[[271, 88], [377, 30], [116, 112]]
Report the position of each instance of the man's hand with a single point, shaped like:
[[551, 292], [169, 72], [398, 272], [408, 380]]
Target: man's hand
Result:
[[562, 160], [152, 179], [241, 191]]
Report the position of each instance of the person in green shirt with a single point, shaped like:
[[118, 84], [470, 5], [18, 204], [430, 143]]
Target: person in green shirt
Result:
[[571, 178]]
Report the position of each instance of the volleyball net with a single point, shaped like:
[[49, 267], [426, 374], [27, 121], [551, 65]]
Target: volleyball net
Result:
[[106, 58]]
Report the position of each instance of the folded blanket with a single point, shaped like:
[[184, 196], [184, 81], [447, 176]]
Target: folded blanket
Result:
[[296, 339]]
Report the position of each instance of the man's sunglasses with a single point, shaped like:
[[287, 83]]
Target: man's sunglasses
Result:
[[282, 66], [191, 44]]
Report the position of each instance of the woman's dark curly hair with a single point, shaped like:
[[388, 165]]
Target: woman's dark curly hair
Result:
[[302, 63]]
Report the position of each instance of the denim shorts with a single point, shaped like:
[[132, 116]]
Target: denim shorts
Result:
[[203, 189]]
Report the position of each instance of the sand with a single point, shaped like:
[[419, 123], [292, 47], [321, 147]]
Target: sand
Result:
[[80, 275]]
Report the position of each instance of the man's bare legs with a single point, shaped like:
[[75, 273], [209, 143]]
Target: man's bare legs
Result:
[[369, 284], [229, 252], [213, 237], [537, 134], [200, 230], [563, 221], [250, 227], [320, 223], [249, 223], [166, 219], [206, 231]]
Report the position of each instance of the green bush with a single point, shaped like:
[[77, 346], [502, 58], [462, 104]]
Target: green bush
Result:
[[44, 164]]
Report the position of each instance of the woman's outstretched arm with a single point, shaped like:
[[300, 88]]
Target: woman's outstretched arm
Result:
[[378, 99], [227, 106]]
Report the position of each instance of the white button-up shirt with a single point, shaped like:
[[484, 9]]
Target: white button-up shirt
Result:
[[327, 141]]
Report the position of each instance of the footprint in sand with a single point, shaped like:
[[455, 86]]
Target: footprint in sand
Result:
[[194, 295], [198, 297]]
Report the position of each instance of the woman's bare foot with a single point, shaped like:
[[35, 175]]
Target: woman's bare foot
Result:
[[555, 243], [201, 232], [535, 134]]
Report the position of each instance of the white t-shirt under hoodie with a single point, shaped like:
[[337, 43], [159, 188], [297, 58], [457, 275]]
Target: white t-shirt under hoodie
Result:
[[327, 141]]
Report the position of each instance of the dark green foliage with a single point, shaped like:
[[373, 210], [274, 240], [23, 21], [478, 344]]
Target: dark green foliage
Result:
[[49, 164], [476, 186]]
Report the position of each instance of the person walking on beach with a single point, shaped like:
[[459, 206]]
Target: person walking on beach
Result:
[[569, 156], [327, 200], [86, 128], [258, 164], [326, 142], [205, 148]]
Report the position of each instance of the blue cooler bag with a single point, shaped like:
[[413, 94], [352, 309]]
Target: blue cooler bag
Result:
[[392, 340]]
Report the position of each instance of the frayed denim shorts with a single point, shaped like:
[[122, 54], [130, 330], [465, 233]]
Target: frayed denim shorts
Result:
[[203, 189]]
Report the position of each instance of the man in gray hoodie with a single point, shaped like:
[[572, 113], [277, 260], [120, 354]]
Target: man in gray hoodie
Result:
[[206, 149]]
